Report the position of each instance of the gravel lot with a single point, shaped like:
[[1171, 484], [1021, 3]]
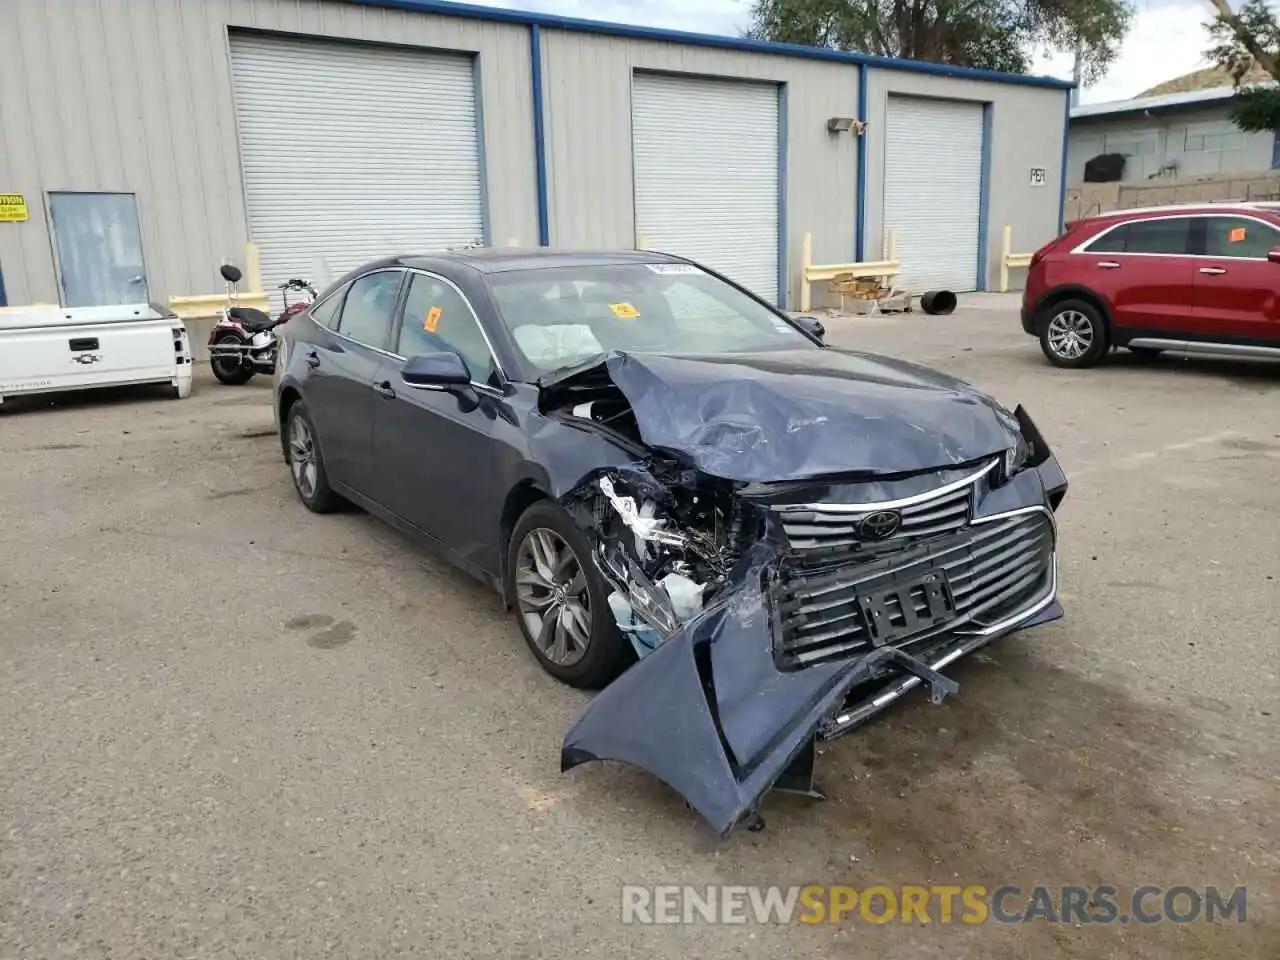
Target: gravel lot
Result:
[[229, 728]]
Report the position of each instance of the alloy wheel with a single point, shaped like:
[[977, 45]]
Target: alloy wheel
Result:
[[1070, 334], [551, 590], [302, 457]]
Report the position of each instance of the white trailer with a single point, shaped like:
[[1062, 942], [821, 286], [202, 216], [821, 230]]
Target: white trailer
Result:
[[47, 349]]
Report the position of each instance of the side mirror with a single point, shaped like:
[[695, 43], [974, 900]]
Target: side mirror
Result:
[[435, 371], [812, 326], [1274, 254], [230, 273]]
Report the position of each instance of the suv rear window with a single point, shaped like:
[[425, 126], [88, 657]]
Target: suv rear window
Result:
[[1167, 235]]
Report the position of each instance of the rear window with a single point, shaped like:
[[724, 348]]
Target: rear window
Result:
[[1169, 235]]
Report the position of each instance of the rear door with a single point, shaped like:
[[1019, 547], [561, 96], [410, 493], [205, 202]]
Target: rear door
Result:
[[343, 359], [1237, 294], [1146, 270]]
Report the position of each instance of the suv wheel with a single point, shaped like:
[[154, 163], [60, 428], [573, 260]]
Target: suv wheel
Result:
[[562, 600], [1073, 334]]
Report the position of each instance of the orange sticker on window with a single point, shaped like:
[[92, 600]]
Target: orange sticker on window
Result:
[[1236, 234], [624, 311], [433, 320]]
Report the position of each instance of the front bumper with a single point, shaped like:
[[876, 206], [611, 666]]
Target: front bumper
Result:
[[721, 716]]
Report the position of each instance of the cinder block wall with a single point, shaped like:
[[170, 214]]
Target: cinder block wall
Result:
[[1090, 199]]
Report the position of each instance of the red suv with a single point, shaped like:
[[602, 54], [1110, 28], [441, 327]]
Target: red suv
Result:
[[1196, 279]]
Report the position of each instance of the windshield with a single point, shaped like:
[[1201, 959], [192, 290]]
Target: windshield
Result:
[[567, 315]]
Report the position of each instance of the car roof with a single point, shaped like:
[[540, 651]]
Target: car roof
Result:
[[507, 259], [1182, 209]]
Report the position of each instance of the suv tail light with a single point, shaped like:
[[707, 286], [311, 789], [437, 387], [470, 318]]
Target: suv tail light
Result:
[[1053, 244]]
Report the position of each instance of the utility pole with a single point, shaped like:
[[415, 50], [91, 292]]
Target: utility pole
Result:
[[1075, 75]]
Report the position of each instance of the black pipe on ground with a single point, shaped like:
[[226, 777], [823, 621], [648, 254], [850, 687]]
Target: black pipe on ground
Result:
[[938, 302]]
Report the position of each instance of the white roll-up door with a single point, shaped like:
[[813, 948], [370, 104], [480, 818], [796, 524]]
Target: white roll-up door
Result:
[[353, 152], [706, 174], [933, 190]]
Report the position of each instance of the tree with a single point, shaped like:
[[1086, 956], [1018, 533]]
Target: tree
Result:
[[994, 34], [1241, 39]]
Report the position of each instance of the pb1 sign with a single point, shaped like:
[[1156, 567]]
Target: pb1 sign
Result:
[[1039, 176]]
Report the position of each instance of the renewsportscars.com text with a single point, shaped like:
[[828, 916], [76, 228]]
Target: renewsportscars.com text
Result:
[[935, 904]]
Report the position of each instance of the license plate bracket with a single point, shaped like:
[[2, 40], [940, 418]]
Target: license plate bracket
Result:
[[890, 613]]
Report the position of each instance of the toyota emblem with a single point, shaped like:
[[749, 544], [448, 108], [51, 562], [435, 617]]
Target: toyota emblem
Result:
[[880, 525]]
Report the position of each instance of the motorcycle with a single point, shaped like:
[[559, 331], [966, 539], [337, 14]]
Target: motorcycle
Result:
[[243, 341]]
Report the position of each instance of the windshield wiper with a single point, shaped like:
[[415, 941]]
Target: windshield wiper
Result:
[[568, 370]]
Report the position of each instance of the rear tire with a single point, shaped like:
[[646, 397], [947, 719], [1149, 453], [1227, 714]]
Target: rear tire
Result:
[[545, 532], [1073, 334], [233, 373], [306, 462]]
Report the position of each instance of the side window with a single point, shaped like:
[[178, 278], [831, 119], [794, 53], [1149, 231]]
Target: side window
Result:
[[366, 313], [1111, 242], [1239, 237], [437, 318], [1168, 235], [326, 314]]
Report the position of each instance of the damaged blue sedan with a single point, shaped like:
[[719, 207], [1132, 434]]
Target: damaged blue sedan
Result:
[[748, 539]]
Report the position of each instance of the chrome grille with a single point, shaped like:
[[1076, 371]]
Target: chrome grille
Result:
[[990, 567], [827, 532]]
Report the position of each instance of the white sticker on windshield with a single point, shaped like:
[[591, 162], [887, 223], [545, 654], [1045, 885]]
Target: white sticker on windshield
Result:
[[674, 269]]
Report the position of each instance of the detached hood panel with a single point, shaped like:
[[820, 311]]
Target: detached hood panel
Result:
[[799, 414]]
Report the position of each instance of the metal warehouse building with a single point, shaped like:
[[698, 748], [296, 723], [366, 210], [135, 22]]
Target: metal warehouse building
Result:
[[143, 141]]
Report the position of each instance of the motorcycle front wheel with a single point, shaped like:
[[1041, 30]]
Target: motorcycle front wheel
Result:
[[231, 370]]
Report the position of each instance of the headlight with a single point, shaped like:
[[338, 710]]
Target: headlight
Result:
[[1016, 457]]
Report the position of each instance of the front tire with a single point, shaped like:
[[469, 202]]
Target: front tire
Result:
[[562, 600], [306, 463], [232, 371], [1073, 334]]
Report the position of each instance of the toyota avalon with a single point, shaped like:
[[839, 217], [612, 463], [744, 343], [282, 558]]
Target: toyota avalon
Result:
[[749, 539]]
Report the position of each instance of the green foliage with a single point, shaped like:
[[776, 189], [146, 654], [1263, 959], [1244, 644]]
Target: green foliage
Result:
[[1242, 38], [993, 34], [1256, 109]]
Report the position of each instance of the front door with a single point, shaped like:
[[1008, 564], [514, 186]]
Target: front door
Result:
[[99, 249], [1237, 287], [442, 455]]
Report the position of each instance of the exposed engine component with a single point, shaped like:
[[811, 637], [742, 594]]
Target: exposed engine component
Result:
[[666, 545]]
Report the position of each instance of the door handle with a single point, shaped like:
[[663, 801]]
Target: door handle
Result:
[[1213, 271], [1108, 265], [384, 390], [313, 359]]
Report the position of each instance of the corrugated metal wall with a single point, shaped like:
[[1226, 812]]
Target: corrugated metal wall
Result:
[[1026, 129], [588, 111], [135, 95]]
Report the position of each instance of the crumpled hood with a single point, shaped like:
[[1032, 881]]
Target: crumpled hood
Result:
[[800, 414]]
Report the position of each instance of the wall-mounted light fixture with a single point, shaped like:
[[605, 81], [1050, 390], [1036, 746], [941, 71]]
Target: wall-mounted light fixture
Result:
[[846, 124]]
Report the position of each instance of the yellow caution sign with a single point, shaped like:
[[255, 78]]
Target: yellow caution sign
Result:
[[13, 208]]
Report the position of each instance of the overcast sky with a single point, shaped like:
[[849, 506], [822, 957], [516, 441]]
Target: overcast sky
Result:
[[1167, 40]]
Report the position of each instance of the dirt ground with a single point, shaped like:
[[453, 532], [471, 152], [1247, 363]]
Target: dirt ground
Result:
[[229, 728]]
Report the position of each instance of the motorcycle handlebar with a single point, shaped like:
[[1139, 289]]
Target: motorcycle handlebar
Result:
[[296, 285]]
